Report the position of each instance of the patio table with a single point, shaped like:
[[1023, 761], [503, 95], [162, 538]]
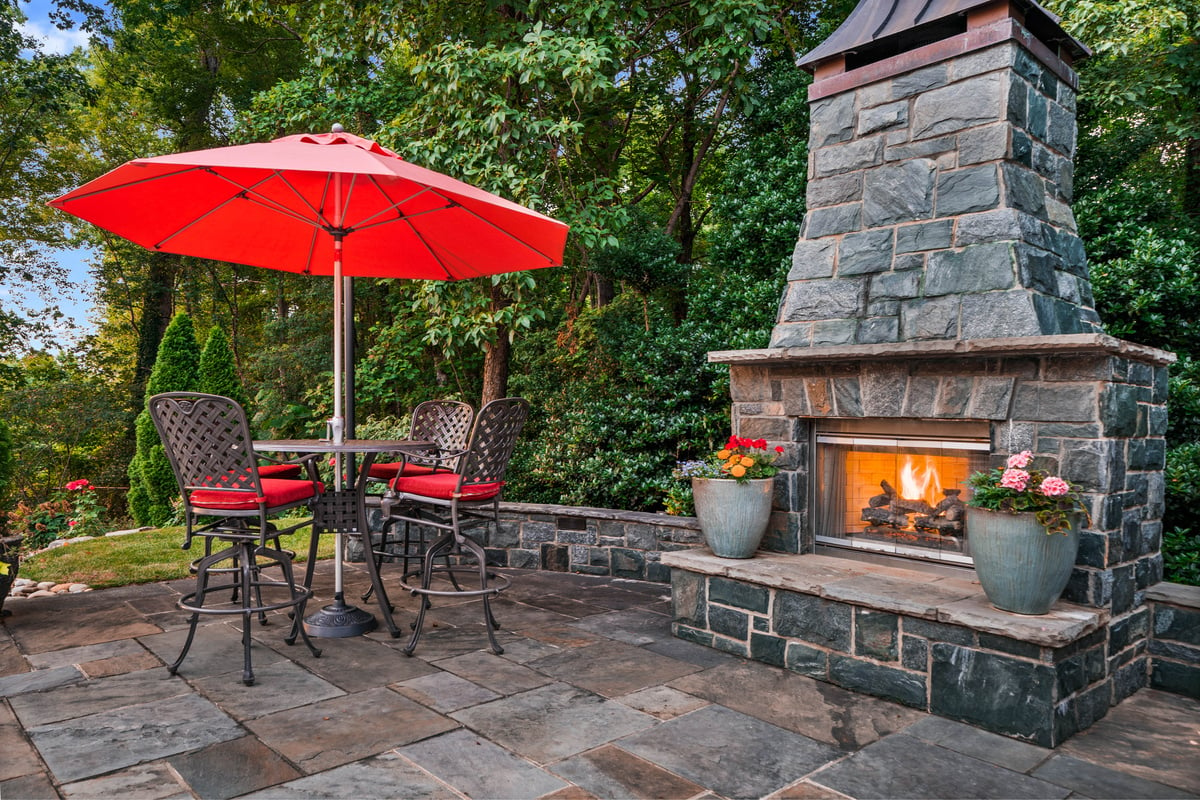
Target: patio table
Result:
[[341, 510]]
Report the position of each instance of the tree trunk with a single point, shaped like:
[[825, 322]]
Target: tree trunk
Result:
[[1191, 180], [157, 297], [495, 360], [495, 367]]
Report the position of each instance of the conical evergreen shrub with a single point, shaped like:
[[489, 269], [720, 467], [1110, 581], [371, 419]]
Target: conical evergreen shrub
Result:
[[218, 374], [176, 369]]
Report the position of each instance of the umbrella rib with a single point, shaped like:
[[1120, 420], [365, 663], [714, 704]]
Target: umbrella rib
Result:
[[394, 205], [504, 232], [126, 185], [254, 196]]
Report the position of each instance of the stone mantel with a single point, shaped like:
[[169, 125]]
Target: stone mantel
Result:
[[1066, 344]]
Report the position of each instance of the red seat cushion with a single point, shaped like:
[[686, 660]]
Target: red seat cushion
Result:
[[276, 492], [443, 484], [387, 470], [280, 470]]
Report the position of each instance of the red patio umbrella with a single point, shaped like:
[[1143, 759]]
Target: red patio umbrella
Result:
[[320, 204]]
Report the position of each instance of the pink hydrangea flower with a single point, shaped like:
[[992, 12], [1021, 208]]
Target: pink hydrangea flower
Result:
[[1054, 487], [1016, 479], [1020, 460]]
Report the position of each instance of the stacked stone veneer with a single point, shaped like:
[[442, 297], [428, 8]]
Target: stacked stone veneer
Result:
[[591, 541], [938, 207], [928, 642], [1090, 407]]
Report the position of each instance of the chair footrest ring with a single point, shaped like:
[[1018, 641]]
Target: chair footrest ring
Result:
[[298, 595], [502, 583]]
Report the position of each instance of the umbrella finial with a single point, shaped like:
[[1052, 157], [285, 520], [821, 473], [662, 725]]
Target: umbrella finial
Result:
[[337, 128]]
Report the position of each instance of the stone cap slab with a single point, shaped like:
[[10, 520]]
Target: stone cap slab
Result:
[[1065, 344], [1177, 594], [951, 600]]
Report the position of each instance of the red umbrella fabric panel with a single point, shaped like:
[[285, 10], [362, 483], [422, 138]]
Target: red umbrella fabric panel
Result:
[[279, 205]]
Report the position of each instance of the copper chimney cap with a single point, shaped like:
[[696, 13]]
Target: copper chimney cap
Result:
[[877, 29]]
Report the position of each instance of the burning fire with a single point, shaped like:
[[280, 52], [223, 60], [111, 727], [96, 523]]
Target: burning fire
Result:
[[920, 483]]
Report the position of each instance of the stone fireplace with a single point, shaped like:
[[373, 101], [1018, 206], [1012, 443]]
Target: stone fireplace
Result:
[[938, 317]]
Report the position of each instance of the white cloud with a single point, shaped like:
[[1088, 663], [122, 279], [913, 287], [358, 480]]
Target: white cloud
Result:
[[53, 40]]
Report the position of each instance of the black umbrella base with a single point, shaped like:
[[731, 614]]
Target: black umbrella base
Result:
[[339, 621]]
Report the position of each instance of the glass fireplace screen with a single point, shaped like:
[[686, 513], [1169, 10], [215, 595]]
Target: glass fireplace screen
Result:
[[896, 495]]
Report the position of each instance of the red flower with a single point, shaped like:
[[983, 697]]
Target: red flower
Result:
[[778, 448], [760, 444], [75, 486]]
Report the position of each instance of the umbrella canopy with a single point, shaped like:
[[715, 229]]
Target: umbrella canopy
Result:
[[283, 204], [320, 204]]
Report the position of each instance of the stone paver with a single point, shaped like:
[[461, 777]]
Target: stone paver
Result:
[[553, 722], [817, 710], [611, 772], [1156, 738], [444, 692], [232, 768], [634, 626], [606, 704], [1100, 783], [613, 668], [95, 696], [387, 775], [333, 732], [904, 766], [494, 672], [479, 768], [287, 684], [92, 745], [153, 781], [729, 753]]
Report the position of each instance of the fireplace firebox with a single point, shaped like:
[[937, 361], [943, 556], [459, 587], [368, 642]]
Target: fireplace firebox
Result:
[[898, 489]]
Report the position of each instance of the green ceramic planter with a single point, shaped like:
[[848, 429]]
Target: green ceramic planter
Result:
[[1022, 568], [733, 516]]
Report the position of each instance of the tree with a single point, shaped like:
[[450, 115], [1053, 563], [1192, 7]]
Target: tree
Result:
[[218, 374], [152, 485]]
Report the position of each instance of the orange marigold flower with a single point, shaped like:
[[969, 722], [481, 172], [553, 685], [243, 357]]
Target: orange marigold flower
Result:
[[747, 461], [723, 454], [737, 471]]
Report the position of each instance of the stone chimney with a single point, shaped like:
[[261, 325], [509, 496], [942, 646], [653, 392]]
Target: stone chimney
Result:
[[940, 174]]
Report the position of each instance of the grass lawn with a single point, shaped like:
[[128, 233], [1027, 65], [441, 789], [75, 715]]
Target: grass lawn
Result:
[[143, 557]]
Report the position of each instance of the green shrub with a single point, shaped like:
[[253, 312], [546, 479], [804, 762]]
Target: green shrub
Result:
[[1181, 556]]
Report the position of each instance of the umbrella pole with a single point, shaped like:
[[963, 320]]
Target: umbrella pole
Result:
[[338, 620]]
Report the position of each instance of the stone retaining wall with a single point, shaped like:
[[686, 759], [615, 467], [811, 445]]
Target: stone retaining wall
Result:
[[1174, 644]]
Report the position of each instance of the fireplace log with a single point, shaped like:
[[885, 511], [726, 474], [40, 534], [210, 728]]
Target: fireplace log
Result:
[[882, 516], [939, 524]]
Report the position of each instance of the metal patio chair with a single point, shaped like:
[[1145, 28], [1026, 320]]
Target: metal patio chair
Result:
[[452, 501], [446, 423], [227, 501]]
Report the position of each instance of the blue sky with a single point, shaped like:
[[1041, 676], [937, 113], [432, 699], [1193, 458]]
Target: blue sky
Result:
[[74, 303]]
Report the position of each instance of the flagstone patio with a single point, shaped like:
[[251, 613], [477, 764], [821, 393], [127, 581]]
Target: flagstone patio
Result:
[[593, 697]]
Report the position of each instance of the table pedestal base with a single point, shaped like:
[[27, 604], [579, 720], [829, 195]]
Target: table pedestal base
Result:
[[339, 621]]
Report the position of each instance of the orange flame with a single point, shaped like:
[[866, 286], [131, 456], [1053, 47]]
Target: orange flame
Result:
[[920, 484]]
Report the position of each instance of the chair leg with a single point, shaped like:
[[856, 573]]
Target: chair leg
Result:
[[301, 596], [248, 571], [202, 566], [489, 619], [442, 545]]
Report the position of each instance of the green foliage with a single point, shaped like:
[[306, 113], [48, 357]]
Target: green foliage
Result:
[[7, 462], [218, 373], [1181, 556], [176, 369]]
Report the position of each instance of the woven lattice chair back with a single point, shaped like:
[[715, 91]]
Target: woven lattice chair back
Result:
[[446, 423], [207, 440], [492, 441]]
